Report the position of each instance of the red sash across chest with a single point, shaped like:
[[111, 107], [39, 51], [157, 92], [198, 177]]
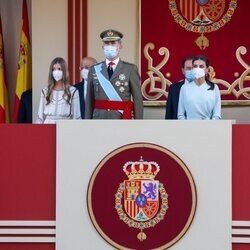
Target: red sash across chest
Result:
[[126, 106]]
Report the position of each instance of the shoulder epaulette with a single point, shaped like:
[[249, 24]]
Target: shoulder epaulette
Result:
[[132, 64]]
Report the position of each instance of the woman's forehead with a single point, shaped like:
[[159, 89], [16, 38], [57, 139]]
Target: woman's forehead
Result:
[[199, 62], [56, 65]]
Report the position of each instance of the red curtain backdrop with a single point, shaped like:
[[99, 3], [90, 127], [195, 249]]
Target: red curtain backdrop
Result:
[[169, 32]]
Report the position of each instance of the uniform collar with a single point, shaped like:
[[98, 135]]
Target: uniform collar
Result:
[[115, 61]]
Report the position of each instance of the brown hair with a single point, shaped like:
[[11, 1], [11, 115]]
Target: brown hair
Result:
[[65, 80], [186, 58], [205, 60]]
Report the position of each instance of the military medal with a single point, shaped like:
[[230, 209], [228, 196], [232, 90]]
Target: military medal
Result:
[[121, 89], [122, 77], [117, 83]]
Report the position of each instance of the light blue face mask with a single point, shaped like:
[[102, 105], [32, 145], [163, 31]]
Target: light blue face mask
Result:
[[189, 75], [110, 51]]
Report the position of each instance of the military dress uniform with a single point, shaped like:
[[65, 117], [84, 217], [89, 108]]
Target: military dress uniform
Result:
[[125, 81]]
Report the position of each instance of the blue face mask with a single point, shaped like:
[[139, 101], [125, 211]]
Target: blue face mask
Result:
[[110, 52], [189, 75]]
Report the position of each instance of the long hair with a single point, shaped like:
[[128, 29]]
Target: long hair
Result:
[[65, 80], [204, 59]]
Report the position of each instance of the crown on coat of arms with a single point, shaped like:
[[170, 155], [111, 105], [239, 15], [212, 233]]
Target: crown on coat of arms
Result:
[[141, 169]]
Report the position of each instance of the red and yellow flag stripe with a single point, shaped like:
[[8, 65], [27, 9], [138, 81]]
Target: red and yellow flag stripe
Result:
[[24, 74]]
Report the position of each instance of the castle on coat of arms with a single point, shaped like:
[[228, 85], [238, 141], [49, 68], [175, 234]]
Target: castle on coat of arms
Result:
[[141, 201]]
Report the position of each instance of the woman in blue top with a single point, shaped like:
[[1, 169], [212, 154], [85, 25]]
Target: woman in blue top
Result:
[[199, 99]]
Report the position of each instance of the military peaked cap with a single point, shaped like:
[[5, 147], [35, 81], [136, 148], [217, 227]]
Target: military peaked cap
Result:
[[111, 35]]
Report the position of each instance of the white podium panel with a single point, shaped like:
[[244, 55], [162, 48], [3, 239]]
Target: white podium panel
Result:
[[201, 148]]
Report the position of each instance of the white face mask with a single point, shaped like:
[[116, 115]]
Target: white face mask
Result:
[[198, 72], [57, 75], [110, 51], [84, 74]]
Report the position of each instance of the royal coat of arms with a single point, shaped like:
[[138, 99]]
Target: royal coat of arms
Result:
[[141, 201], [202, 16], [146, 203]]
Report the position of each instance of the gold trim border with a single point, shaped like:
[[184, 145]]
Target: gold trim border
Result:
[[224, 103], [153, 146]]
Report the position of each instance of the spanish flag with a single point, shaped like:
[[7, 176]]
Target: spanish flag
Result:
[[24, 74], [4, 106]]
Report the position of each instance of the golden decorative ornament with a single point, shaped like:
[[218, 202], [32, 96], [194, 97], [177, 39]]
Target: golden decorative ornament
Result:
[[202, 42], [141, 236], [110, 33]]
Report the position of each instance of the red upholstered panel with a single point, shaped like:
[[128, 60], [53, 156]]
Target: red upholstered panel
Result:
[[27, 167], [241, 173], [27, 246]]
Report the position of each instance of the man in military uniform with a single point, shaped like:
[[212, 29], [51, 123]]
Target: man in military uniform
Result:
[[114, 90]]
